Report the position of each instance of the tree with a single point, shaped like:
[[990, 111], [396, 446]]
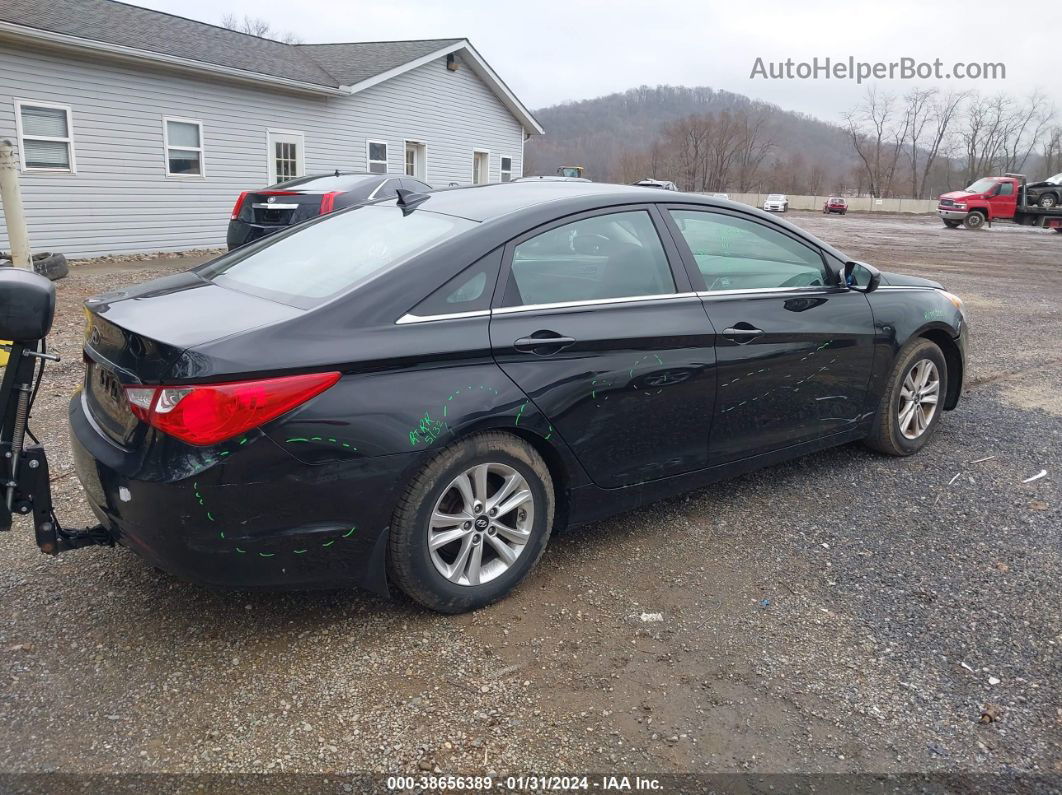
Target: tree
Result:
[[872, 131], [256, 26]]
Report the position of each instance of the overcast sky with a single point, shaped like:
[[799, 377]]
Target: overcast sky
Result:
[[550, 51]]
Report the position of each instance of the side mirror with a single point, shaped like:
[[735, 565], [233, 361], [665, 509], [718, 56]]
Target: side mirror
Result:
[[861, 276], [27, 305]]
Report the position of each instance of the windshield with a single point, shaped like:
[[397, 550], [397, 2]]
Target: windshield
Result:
[[314, 262], [775, 197], [1056, 179], [982, 186]]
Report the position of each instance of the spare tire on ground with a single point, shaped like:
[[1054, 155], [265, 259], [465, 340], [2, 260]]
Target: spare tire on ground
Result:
[[46, 264], [51, 265]]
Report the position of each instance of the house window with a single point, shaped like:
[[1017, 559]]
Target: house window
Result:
[[411, 162], [46, 138], [287, 161], [184, 147], [377, 157], [506, 169]]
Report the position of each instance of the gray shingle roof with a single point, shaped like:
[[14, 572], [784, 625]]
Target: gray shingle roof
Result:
[[125, 25], [352, 63]]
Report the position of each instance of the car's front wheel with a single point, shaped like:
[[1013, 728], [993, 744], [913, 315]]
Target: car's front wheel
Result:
[[472, 523], [909, 411]]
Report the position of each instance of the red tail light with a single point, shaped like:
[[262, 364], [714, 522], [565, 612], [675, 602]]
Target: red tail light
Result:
[[239, 205], [328, 202], [205, 414]]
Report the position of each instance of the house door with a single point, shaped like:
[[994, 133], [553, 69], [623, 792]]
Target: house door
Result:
[[415, 160], [480, 166], [286, 152]]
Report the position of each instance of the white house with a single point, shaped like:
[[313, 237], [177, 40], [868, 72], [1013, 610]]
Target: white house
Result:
[[137, 130]]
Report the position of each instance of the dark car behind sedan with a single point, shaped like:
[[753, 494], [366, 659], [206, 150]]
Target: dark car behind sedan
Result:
[[259, 213]]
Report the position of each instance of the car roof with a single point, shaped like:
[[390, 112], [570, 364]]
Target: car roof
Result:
[[344, 180], [487, 202], [550, 178]]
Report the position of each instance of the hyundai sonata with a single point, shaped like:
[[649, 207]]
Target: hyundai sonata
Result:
[[420, 391]]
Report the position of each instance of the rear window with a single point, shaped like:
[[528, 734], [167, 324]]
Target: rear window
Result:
[[328, 182], [312, 263]]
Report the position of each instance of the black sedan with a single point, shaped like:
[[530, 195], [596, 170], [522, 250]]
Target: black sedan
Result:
[[1046, 194], [258, 213], [420, 391]]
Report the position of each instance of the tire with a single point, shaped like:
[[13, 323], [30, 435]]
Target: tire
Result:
[[415, 568], [952, 224], [974, 220], [1048, 200], [887, 436], [51, 265]]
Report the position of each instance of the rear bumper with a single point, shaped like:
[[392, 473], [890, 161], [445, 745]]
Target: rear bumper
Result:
[[255, 518]]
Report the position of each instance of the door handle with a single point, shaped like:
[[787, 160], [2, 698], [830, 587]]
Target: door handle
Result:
[[743, 333], [543, 343]]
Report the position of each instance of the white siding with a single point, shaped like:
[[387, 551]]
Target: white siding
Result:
[[120, 199]]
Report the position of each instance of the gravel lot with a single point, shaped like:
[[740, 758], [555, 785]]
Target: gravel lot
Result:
[[844, 612]]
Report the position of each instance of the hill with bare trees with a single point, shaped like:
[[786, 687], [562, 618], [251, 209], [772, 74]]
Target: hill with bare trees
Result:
[[700, 138], [917, 144]]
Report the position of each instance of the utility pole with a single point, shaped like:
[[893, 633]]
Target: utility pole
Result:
[[11, 201]]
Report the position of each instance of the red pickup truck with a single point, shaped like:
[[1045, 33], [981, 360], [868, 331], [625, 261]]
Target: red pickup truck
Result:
[[993, 199]]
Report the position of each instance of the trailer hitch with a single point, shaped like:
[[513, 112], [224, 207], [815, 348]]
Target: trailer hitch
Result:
[[32, 494], [27, 304]]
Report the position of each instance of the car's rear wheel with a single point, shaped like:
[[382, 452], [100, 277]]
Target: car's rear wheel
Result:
[[472, 523], [974, 220], [1048, 200], [910, 409]]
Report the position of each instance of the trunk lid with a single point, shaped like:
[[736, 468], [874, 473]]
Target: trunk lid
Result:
[[272, 208], [135, 335]]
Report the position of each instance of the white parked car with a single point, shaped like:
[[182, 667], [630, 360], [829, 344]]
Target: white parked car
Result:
[[776, 203], [657, 183], [719, 195]]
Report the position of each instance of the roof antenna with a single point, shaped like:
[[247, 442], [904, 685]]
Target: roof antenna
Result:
[[409, 200], [337, 172]]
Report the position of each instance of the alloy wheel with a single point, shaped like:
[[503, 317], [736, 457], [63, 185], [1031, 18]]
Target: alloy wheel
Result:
[[919, 397], [481, 524]]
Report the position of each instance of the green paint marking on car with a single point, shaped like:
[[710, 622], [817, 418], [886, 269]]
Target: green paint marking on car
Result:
[[241, 551], [296, 439], [350, 532], [267, 554], [210, 516], [520, 413], [328, 543], [298, 551]]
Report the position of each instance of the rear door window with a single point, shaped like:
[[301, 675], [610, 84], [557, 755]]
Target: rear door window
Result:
[[735, 254], [615, 255], [316, 261]]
